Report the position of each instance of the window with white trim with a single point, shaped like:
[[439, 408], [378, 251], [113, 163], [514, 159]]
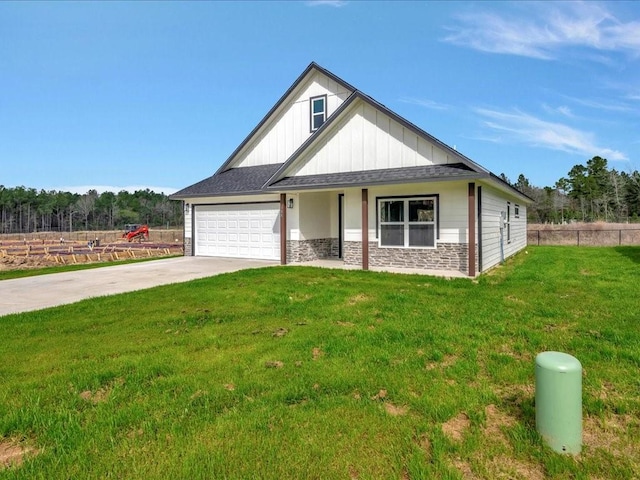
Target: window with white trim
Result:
[[516, 210], [318, 109], [407, 222]]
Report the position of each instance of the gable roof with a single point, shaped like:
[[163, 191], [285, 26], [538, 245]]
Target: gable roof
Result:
[[312, 66], [340, 113], [273, 177]]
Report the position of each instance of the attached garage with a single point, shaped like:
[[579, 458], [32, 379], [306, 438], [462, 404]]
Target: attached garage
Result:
[[247, 230]]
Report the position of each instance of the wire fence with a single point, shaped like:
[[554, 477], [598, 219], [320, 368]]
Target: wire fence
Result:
[[155, 236], [585, 238]]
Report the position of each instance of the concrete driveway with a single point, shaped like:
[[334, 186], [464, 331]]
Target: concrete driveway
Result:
[[33, 293]]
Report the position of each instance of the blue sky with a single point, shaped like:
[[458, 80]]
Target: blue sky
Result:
[[115, 95]]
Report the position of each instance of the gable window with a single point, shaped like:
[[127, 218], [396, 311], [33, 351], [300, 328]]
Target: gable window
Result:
[[318, 108], [516, 211], [407, 222]]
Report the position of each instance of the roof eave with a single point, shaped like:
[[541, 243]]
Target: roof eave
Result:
[[376, 183], [222, 194]]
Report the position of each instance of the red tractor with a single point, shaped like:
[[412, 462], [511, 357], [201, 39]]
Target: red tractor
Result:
[[135, 231]]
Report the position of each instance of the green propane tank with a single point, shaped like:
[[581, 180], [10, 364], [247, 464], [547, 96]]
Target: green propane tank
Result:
[[559, 401]]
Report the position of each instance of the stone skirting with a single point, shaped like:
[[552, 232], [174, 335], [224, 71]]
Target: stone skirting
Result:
[[188, 251], [308, 250], [447, 256]]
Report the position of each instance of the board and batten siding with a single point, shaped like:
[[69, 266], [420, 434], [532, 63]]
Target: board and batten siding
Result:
[[367, 139], [493, 204], [290, 127]]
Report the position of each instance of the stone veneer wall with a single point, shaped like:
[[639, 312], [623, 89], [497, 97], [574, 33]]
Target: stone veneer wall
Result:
[[308, 250], [188, 251], [447, 256]]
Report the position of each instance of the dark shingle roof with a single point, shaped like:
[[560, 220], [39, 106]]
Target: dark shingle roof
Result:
[[454, 171], [235, 181]]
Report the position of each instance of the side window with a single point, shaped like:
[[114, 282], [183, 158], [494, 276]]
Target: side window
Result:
[[318, 109], [516, 211]]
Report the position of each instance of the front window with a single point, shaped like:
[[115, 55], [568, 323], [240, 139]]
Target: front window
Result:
[[409, 223], [318, 111]]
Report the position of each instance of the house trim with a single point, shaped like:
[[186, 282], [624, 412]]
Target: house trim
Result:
[[365, 229], [479, 227], [312, 114], [283, 229], [472, 229]]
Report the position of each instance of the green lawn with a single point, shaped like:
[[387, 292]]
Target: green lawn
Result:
[[295, 372]]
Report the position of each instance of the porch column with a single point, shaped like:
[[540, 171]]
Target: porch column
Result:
[[365, 229], [283, 229], [472, 228]]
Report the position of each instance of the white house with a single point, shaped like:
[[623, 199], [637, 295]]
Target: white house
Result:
[[331, 173]]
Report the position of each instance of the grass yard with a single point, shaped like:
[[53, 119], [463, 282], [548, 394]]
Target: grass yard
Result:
[[303, 373]]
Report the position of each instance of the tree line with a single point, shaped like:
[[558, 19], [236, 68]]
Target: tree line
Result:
[[26, 210], [588, 193]]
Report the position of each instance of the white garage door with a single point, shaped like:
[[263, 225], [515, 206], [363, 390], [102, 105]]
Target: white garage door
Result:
[[241, 231]]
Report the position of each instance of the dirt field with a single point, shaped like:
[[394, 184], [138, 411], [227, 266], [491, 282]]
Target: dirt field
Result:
[[45, 249], [584, 234]]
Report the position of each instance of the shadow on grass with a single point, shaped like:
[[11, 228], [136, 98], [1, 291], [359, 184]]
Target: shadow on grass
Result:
[[632, 252]]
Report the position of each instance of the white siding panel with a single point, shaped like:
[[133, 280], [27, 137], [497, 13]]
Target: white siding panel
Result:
[[370, 130], [368, 139], [382, 141], [493, 204], [439, 156], [395, 145], [356, 160], [425, 152], [410, 148]]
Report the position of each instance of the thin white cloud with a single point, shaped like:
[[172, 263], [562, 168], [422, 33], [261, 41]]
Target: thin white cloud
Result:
[[600, 105], [561, 110], [422, 102], [520, 127], [82, 189], [326, 3], [543, 32]]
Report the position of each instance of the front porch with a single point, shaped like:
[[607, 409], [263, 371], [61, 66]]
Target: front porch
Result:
[[345, 225]]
